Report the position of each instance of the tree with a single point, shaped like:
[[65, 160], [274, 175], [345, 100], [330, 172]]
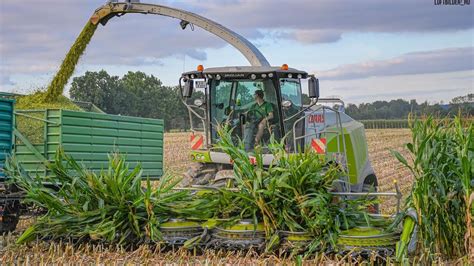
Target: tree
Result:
[[463, 99], [101, 89], [135, 94]]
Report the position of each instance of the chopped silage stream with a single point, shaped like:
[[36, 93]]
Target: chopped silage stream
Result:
[[53, 97], [69, 63]]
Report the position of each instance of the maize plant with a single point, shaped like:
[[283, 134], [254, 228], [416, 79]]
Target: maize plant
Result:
[[292, 194], [110, 206], [442, 161]]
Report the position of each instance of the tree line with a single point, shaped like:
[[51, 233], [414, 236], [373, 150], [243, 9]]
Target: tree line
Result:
[[134, 94], [400, 109], [142, 95]]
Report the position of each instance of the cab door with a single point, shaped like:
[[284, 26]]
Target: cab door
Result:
[[292, 103]]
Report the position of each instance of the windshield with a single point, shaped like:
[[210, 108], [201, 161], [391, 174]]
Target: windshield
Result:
[[236, 101]]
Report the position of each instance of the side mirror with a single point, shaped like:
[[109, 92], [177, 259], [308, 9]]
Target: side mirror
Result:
[[286, 104], [187, 91], [313, 87]]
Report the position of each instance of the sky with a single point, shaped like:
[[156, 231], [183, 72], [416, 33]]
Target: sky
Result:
[[361, 51]]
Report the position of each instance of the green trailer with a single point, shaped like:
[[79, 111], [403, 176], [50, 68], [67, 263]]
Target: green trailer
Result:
[[33, 137], [6, 129], [88, 138]]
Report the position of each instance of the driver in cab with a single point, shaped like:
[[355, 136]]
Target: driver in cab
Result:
[[258, 117]]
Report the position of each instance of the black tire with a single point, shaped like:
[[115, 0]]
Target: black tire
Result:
[[10, 216], [200, 174], [371, 185]]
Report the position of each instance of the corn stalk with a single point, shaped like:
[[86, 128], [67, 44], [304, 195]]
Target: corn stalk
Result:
[[110, 206], [442, 162]]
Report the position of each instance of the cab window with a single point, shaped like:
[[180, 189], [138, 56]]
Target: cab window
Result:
[[291, 91]]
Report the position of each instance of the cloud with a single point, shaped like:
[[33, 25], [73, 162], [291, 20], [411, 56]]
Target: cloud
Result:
[[5, 80], [340, 16], [34, 37], [432, 87], [439, 61], [316, 36]]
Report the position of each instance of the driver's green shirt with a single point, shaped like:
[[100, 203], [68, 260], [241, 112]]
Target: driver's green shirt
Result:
[[261, 111]]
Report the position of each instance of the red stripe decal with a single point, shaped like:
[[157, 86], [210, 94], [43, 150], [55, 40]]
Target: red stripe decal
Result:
[[198, 143]]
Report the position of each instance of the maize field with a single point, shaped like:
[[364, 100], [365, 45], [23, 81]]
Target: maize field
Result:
[[381, 143], [386, 167]]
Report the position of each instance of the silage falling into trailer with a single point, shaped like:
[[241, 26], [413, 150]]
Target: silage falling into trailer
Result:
[[56, 88]]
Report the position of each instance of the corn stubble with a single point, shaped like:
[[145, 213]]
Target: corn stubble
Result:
[[442, 162]]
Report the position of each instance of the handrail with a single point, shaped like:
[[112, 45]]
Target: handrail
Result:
[[92, 106], [397, 194], [326, 131], [37, 118]]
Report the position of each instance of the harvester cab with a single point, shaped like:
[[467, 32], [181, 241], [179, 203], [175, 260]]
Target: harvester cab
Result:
[[258, 102], [246, 97]]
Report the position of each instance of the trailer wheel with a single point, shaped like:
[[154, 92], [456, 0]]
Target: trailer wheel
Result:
[[10, 215], [371, 185]]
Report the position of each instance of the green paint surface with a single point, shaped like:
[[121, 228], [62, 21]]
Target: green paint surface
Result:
[[246, 227], [362, 231], [176, 224]]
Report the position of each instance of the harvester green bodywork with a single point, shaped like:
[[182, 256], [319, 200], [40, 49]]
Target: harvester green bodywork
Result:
[[355, 146]]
